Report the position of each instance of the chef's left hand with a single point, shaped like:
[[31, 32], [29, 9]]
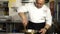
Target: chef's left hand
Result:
[[43, 31]]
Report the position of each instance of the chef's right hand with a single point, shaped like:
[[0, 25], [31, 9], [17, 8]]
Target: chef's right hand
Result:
[[25, 22]]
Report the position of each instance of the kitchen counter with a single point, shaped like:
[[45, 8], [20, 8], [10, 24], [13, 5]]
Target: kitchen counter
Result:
[[10, 25]]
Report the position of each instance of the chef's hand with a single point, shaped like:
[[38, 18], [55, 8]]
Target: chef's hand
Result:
[[43, 31], [25, 22]]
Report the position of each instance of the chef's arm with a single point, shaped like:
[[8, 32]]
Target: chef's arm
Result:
[[47, 26], [48, 19], [23, 17]]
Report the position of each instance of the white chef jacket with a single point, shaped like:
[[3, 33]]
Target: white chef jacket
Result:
[[37, 15]]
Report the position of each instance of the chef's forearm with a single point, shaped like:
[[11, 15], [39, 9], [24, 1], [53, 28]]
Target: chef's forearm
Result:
[[23, 16], [47, 26]]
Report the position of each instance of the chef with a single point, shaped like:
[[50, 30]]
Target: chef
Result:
[[39, 16]]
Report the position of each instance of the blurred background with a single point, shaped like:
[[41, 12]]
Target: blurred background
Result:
[[10, 21]]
